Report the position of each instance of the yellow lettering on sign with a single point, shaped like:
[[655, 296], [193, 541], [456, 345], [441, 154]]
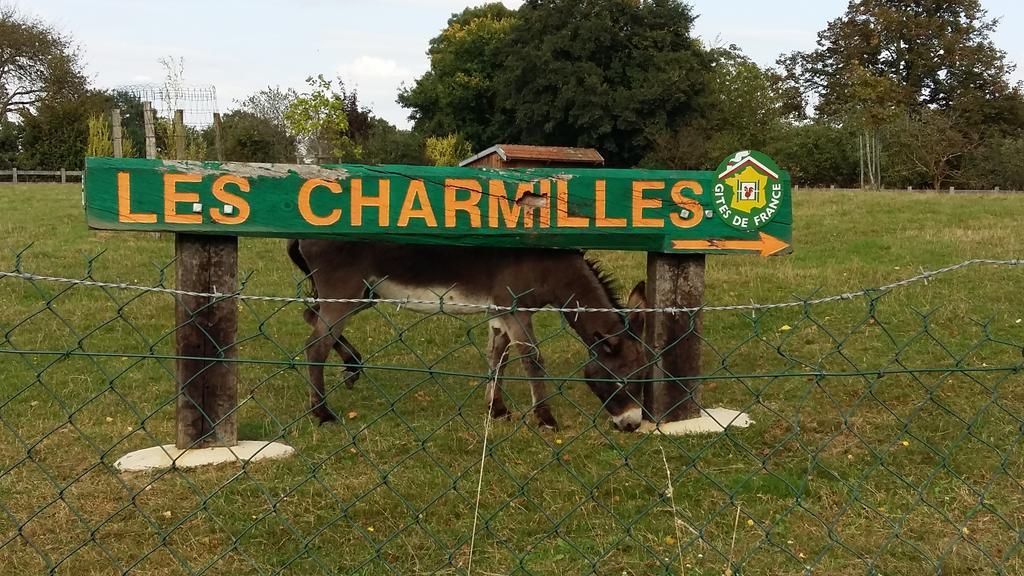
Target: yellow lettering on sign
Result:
[[124, 203], [499, 208], [307, 210], [689, 204], [453, 205], [221, 194], [382, 202], [563, 217], [601, 218], [172, 197], [640, 204], [417, 194]]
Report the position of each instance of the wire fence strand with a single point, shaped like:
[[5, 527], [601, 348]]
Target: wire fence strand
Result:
[[865, 293]]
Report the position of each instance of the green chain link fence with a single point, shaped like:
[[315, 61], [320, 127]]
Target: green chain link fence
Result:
[[885, 439]]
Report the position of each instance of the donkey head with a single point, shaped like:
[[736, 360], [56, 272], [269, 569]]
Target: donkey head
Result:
[[619, 363]]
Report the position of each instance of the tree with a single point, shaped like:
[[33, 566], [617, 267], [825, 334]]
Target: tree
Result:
[[459, 94], [928, 147], [447, 150], [37, 64], [269, 104], [899, 61], [318, 118], [247, 137], [100, 143], [745, 107], [904, 55], [386, 144], [817, 153], [608, 74], [995, 164], [57, 134], [10, 142]]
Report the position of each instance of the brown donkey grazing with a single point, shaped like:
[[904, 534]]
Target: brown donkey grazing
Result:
[[533, 278]]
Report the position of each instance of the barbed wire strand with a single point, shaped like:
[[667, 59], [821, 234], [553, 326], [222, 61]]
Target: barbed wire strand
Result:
[[923, 277]]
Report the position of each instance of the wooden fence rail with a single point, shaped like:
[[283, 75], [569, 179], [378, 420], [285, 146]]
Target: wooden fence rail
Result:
[[11, 176]]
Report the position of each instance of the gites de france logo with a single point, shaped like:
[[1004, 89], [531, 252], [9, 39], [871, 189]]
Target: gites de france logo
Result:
[[748, 191]]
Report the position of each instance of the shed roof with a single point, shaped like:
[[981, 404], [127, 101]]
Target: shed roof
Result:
[[551, 154]]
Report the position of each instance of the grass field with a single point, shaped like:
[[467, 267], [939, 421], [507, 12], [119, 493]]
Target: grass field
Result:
[[887, 435]]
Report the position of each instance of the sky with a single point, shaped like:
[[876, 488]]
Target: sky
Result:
[[242, 46]]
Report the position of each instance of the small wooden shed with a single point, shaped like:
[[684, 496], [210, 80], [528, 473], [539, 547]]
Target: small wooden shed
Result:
[[522, 156]]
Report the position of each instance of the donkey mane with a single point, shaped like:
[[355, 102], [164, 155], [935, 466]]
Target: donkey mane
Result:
[[604, 280]]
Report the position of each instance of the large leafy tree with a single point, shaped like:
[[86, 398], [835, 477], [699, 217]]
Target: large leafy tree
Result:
[[892, 65], [37, 63], [904, 55], [610, 74], [459, 94]]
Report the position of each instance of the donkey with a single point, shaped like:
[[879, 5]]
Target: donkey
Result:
[[535, 278]]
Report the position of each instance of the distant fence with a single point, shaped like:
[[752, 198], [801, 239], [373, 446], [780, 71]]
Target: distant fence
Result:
[[15, 176], [885, 440], [949, 190]]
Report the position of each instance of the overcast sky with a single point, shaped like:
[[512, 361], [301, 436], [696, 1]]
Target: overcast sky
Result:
[[241, 46]]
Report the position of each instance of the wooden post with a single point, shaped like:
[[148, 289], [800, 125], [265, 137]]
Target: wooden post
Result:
[[674, 281], [207, 388], [179, 134], [218, 143], [14, 175], [149, 121], [115, 133]]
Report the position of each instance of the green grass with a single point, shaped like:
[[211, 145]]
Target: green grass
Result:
[[885, 438]]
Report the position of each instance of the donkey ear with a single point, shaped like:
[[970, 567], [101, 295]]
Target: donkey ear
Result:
[[606, 343], [637, 299]]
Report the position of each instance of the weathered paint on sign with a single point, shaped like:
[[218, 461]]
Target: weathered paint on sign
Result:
[[652, 211]]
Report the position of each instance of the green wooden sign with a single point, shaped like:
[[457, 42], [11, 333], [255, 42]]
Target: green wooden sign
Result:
[[743, 207]]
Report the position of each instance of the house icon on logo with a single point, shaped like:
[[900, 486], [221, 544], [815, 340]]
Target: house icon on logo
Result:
[[749, 179], [742, 162]]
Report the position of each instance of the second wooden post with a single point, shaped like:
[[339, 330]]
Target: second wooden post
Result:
[[674, 281]]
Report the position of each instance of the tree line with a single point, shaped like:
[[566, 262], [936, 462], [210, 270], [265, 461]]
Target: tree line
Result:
[[895, 93]]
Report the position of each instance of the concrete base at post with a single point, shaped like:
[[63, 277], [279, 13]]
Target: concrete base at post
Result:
[[710, 421], [162, 457]]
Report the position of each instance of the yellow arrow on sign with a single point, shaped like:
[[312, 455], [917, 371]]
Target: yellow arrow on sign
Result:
[[767, 245]]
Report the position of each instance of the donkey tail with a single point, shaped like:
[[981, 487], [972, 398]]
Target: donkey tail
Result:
[[311, 312], [296, 255]]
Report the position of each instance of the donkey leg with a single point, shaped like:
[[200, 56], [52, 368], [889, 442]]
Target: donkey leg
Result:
[[348, 353], [498, 342], [352, 359], [520, 330], [326, 334], [318, 348]]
